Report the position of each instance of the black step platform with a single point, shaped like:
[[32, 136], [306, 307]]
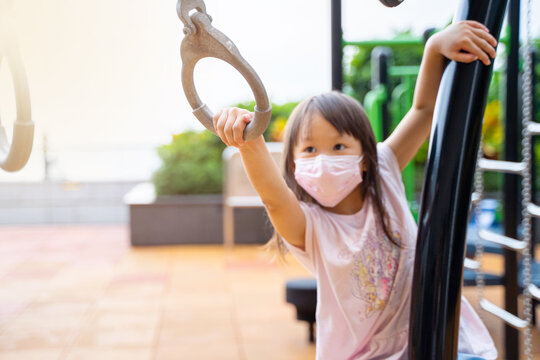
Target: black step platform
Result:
[[302, 293]]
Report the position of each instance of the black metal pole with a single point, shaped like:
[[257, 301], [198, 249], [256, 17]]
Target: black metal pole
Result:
[[442, 222], [380, 62], [511, 195], [337, 46]]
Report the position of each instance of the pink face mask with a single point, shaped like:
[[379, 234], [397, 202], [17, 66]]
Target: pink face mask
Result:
[[328, 179]]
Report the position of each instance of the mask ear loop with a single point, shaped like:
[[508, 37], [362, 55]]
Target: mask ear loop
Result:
[[362, 170]]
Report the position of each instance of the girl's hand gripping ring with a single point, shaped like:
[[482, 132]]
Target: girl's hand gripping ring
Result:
[[203, 40]]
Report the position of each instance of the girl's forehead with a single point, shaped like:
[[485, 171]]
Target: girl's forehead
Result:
[[317, 131], [314, 126], [321, 130]]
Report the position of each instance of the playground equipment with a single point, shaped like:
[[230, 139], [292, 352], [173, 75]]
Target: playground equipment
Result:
[[439, 269], [386, 105], [14, 155], [391, 3], [525, 246], [203, 40], [385, 110], [302, 293], [443, 219]]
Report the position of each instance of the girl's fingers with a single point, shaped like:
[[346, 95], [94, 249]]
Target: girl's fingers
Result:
[[486, 37], [469, 41], [465, 57], [219, 125], [227, 129], [215, 119], [476, 24], [486, 47], [230, 125], [238, 130], [474, 49]]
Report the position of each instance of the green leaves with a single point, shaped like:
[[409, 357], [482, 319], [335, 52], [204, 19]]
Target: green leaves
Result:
[[191, 164]]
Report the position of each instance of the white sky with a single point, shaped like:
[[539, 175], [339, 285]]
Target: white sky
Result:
[[105, 74]]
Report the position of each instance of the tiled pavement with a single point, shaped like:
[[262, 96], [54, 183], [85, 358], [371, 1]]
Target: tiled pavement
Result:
[[81, 292], [84, 293]]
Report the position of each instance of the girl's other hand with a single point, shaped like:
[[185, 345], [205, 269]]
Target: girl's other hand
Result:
[[230, 124], [465, 41]]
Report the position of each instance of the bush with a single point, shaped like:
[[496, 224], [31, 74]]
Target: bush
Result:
[[191, 164]]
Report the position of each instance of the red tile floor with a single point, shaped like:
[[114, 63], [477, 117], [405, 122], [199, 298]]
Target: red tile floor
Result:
[[83, 292]]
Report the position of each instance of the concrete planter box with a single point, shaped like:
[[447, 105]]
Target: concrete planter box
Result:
[[189, 219]]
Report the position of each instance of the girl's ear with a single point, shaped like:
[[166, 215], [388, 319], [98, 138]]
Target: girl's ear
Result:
[[292, 165], [365, 167]]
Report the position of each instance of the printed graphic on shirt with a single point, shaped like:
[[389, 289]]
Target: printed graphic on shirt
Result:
[[374, 271]]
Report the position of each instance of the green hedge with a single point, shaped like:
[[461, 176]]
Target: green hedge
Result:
[[191, 164]]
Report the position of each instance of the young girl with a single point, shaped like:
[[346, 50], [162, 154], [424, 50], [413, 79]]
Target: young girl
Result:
[[340, 206]]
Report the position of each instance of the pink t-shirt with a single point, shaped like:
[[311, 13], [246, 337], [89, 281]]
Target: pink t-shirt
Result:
[[364, 282]]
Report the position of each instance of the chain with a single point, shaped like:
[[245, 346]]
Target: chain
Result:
[[479, 245], [526, 186]]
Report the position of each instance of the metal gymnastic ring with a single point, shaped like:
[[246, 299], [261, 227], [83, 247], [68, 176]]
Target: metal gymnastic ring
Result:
[[14, 156], [203, 40], [391, 3]]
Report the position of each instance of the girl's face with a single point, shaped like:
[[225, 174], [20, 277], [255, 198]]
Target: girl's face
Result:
[[323, 138]]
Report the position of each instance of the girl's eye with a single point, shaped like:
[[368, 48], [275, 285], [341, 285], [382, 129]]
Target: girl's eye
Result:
[[310, 149], [339, 147]]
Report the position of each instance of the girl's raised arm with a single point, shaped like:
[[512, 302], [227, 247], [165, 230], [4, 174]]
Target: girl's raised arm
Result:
[[280, 202], [464, 41]]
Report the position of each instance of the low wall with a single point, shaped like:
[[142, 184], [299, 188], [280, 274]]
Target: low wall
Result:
[[189, 219], [64, 203]]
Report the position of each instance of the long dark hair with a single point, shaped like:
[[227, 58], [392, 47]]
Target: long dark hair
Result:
[[347, 116]]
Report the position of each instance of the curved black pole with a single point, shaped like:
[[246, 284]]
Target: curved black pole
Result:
[[442, 223], [337, 45], [511, 182], [381, 57]]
